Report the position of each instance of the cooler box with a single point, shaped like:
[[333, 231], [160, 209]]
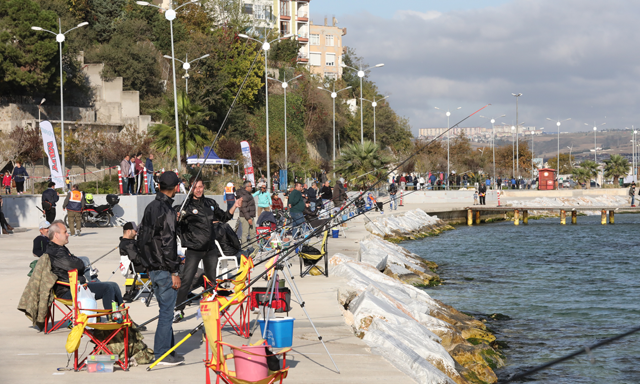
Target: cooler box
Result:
[[279, 333], [281, 299], [101, 363]]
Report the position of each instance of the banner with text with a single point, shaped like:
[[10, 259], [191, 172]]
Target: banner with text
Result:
[[248, 164], [51, 149]]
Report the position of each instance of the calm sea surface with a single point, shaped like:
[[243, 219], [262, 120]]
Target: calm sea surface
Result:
[[564, 287]]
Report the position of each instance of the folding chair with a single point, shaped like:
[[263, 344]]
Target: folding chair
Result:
[[113, 327], [309, 259], [250, 362], [63, 306], [240, 303], [226, 259], [135, 279]]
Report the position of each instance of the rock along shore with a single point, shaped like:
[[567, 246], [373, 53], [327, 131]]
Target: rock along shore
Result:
[[385, 306]]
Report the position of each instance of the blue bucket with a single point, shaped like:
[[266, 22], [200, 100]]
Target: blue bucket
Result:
[[279, 333], [335, 233], [345, 217]]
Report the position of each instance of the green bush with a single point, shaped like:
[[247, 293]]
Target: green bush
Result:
[[106, 186]]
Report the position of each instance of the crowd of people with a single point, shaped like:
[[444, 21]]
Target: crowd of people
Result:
[[133, 172]]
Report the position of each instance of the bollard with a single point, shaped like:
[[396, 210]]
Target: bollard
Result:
[[516, 217], [477, 217], [603, 217], [146, 185], [525, 217], [574, 217], [498, 192], [611, 218], [563, 217], [401, 199], [120, 179], [469, 217]]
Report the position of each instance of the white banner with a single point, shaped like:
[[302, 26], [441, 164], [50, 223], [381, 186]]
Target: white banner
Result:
[[51, 149], [248, 164]]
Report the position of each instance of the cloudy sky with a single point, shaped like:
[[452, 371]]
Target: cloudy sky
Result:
[[575, 59]]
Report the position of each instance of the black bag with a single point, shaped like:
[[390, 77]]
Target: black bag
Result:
[[272, 360], [310, 250]]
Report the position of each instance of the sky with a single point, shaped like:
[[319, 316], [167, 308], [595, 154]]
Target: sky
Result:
[[575, 59]]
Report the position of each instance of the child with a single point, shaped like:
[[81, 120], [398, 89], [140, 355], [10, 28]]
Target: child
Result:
[[6, 183], [475, 197]]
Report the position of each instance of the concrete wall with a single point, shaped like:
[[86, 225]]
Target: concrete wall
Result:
[[130, 104], [435, 197], [515, 193]]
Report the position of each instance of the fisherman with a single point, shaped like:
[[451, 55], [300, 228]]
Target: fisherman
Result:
[[632, 194]]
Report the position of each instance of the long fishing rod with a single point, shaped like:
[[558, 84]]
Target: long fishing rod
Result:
[[287, 251], [586, 349]]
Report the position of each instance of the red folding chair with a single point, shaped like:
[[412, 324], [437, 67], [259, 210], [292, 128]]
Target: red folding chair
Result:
[[61, 305]]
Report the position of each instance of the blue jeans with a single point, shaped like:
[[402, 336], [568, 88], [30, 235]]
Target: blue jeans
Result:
[[166, 296], [298, 220], [633, 200], [394, 203], [107, 291], [230, 204], [312, 205], [150, 183]]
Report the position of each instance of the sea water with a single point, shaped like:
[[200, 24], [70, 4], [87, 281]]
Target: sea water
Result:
[[564, 287]]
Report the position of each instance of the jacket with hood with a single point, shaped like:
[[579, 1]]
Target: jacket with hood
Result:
[[264, 199], [339, 194], [248, 208], [196, 222], [157, 236]]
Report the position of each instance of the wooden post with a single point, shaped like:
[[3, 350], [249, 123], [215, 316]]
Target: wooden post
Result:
[[477, 217], [574, 217], [525, 217], [611, 218], [516, 217], [563, 217], [470, 217], [603, 217]]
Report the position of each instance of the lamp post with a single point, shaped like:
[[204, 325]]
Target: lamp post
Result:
[[266, 45], [517, 96], [170, 14], [493, 146], [285, 85], [513, 154], [374, 104], [559, 123], [60, 38], [448, 113], [570, 162], [39, 109], [186, 65], [635, 156], [334, 94], [595, 140], [532, 153], [361, 74]]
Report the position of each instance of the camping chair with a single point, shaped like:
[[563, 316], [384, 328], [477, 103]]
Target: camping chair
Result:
[[309, 258], [113, 327], [250, 361], [133, 278], [63, 306], [239, 304], [225, 271]]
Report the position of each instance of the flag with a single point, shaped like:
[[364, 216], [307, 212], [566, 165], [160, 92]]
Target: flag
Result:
[[248, 164], [51, 149]]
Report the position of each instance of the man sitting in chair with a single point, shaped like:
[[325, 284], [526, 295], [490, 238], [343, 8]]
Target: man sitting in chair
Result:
[[62, 261], [129, 247]]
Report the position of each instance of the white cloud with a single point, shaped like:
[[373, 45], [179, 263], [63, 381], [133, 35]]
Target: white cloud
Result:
[[572, 58]]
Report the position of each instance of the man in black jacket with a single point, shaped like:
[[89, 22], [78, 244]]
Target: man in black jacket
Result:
[[326, 193], [129, 247], [195, 227], [247, 213], [158, 248], [482, 193], [62, 261], [49, 199]]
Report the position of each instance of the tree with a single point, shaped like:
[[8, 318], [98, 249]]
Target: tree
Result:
[[615, 167], [365, 163], [565, 163], [104, 14], [590, 168], [581, 175]]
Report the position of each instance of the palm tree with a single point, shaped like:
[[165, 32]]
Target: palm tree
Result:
[[591, 170], [581, 175], [615, 167], [193, 135], [365, 162]]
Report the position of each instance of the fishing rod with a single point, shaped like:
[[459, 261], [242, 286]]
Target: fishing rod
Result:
[[287, 251]]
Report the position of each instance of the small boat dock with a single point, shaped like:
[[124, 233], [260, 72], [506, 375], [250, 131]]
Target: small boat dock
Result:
[[474, 212]]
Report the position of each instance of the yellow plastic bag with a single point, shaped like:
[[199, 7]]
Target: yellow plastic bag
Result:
[[73, 340]]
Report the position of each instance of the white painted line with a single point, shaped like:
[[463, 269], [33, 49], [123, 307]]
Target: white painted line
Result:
[[58, 373], [57, 353], [28, 354]]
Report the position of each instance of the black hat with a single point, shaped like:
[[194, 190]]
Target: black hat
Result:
[[168, 180]]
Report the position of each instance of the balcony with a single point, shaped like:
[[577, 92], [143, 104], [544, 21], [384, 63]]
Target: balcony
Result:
[[303, 18], [285, 17], [303, 37], [302, 57]]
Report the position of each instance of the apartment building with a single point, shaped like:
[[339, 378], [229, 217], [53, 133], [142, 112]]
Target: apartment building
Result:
[[325, 49]]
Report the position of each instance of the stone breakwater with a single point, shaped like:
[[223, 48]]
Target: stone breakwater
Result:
[[424, 338]]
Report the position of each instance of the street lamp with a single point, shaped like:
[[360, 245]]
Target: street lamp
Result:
[[513, 152], [595, 140], [186, 65], [361, 74], [285, 85], [493, 145], [533, 152], [570, 162], [559, 123], [266, 45], [374, 104], [60, 38], [517, 96], [39, 109], [170, 14], [448, 113], [334, 94]]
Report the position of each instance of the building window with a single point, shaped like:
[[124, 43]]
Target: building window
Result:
[[330, 60], [284, 8], [315, 59], [328, 40], [248, 9], [315, 39], [262, 12], [284, 27]]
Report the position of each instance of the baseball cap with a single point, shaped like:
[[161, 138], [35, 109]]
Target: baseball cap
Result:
[[168, 180], [130, 225], [44, 224]]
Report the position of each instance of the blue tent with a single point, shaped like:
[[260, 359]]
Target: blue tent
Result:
[[212, 159]]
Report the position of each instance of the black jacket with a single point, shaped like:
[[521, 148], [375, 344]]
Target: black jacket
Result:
[[196, 222], [326, 193], [62, 261], [40, 244], [482, 188], [129, 248], [312, 194], [49, 196], [393, 188], [157, 236], [248, 208], [227, 238], [339, 194]]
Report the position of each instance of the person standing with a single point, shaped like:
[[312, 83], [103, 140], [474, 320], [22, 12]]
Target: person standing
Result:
[[247, 213], [74, 204], [229, 195], [6, 227], [125, 171], [323, 177], [296, 207], [159, 253], [339, 194], [49, 199], [132, 174], [6, 183], [19, 174], [312, 196], [499, 182], [196, 228], [149, 166], [139, 174], [482, 193], [393, 190], [326, 194], [632, 194], [264, 198], [488, 183]]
